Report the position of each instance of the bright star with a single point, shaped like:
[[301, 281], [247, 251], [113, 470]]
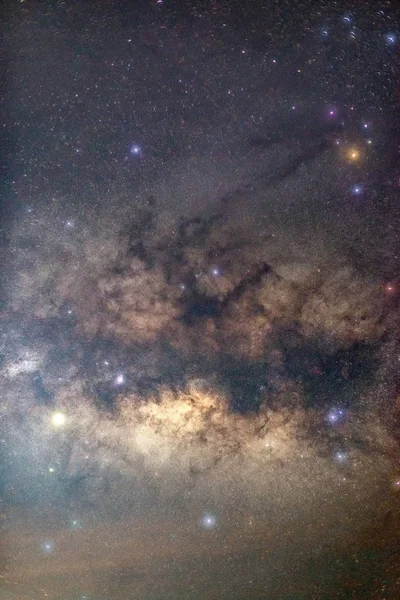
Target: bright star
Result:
[[135, 150], [58, 419], [353, 154], [389, 288], [340, 456], [357, 189], [335, 415], [390, 39], [208, 521], [120, 379], [331, 112], [47, 547]]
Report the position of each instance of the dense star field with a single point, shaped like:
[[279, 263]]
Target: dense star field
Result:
[[199, 348]]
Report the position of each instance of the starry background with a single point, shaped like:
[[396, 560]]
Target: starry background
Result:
[[199, 304]]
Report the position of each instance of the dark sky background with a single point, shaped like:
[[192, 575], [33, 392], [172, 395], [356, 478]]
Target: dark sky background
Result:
[[199, 316]]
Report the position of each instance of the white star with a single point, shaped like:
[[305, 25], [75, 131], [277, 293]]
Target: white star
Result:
[[120, 379], [208, 521]]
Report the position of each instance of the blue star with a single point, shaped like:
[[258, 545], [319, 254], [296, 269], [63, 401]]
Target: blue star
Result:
[[357, 189], [135, 150], [335, 415], [390, 39]]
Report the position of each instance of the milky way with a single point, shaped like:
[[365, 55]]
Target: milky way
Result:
[[200, 349]]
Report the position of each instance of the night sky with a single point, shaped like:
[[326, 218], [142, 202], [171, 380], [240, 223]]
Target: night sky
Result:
[[199, 308]]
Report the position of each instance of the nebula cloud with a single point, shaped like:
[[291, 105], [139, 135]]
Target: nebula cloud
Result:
[[186, 361]]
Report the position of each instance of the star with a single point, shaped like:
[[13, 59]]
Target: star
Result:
[[353, 154], [208, 521], [390, 39], [58, 419], [331, 112], [335, 415], [47, 547], [76, 524], [390, 288], [120, 379], [357, 189], [135, 150], [340, 457]]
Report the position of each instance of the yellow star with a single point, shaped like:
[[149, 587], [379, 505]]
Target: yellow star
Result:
[[58, 419], [353, 154]]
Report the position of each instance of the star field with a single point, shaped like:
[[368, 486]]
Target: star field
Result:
[[199, 317]]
